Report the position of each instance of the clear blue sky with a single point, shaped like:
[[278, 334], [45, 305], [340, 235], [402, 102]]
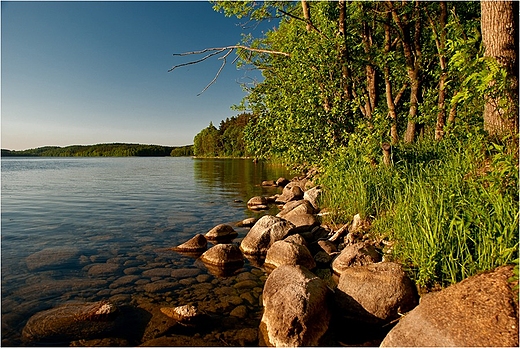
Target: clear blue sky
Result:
[[97, 72]]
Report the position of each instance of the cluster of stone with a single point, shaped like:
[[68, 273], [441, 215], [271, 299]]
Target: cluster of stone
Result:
[[324, 287]]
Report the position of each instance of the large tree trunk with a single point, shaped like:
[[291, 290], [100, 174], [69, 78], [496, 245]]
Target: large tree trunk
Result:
[[499, 21]]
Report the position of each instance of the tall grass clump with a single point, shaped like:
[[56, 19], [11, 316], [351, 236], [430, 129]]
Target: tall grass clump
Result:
[[450, 208]]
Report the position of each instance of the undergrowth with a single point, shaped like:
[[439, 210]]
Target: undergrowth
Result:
[[451, 207]]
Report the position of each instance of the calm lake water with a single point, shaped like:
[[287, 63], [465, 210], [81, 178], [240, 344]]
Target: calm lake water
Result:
[[62, 216]]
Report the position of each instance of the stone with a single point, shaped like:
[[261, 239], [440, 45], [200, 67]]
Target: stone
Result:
[[479, 311], [160, 286], [296, 207], [71, 322], [283, 252], [52, 258], [268, 183], [291, 192], [103, 269], [296, 312], [376, 293], [282, 182], [239, 312], [198, 243], [180, 273], [327, 246], [358, 254], [186, 315], [249, 222], [223, 256], [257, 200], [312, 196], [221, 232], [296, 238], [267, 230], [157, 272]]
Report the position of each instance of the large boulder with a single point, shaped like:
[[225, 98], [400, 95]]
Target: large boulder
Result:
[[296, 311], [267, 230], [358, 254], [221, 232], [71, 322], [376, 293], [284, 252], [195, 244], [479, 311]]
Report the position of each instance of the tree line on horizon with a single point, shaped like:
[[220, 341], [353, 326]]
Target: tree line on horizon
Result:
[[104, 150]]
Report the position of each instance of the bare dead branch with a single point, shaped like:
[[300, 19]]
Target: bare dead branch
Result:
[[216, 51]]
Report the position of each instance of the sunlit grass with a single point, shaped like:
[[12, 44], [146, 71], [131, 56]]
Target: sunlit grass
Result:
[[451, 208]]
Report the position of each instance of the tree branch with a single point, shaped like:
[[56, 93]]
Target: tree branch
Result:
[[216, 51]]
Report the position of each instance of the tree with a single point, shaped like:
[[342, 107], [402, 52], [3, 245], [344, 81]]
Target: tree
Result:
[[499, 35]]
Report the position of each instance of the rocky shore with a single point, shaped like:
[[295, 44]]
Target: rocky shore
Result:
[[290, 281]]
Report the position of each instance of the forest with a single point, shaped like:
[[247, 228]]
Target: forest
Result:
[[104, 150], [408, 110]]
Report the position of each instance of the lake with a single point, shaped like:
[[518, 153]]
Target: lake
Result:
[[90, 229]]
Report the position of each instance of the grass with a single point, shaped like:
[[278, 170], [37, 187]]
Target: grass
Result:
[[451, 207]]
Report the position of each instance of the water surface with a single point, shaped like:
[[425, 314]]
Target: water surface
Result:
[[86, 229]]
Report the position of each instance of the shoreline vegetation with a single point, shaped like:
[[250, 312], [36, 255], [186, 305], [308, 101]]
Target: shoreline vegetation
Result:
[[103, 150], [408, 113]]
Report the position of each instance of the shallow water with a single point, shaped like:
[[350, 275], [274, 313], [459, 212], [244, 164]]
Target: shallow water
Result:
[[88, 229]]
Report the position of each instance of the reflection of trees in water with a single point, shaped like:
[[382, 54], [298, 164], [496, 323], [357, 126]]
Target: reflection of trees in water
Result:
[[240, 177]]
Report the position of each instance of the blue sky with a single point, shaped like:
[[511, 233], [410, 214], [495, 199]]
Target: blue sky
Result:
[[97, 72]]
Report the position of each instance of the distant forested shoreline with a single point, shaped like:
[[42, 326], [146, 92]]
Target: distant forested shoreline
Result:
[[104, 150]]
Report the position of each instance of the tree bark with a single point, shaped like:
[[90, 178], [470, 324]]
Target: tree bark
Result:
[[412, 54], [440, 42], [306, 14], [499, 21], [388, 84]]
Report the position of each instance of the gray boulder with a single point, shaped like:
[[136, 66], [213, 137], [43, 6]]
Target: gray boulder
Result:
[[479, 311], [284, 252], [267, 230], [376, 294], [296, 311], [300, 214], [358, 254], [221, 232]]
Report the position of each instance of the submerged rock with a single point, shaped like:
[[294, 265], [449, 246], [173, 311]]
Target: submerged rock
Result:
[[50, 258], [71, 322]]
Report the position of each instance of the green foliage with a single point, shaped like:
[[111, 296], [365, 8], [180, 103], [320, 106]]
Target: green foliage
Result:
[[101, 150], [227, 141], [451, 208]]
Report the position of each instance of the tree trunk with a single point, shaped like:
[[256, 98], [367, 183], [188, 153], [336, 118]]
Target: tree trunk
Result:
[[345, 71], [499, 21], [440, 41], [388, 84], [412, 54]]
